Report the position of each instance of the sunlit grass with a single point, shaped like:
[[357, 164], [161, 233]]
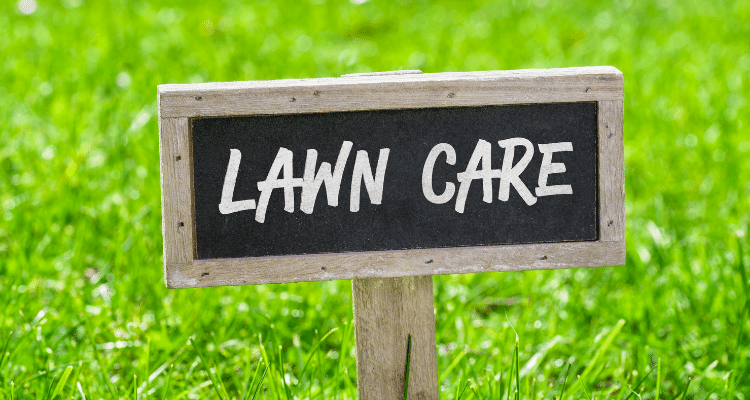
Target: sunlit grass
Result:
[[80, 218]]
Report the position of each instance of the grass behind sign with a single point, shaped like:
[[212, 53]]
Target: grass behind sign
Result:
[[81, 233]]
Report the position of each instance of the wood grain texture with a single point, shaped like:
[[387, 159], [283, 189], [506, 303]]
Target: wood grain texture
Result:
[[401, 72], [611, 172], [394, 264], [386, 312], [379, 92], [176, 193]]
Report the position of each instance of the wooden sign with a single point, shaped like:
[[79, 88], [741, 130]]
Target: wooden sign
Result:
[[387, 179], [391, 175]]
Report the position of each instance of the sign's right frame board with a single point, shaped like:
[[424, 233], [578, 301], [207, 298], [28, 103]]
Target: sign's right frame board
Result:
[[180, 104]]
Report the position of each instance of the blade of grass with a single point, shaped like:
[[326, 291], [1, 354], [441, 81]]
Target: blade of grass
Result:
[[453, 364], [312, 350], [476, 394], [282, 376], [743, 273], [102, 371], [350, 384], [637, 385], [194, 389], [62, 381], [658, 378], [343, 350], [528, 388], [539, 355], [600, 351], [738, 343], [75, 378], [493, 391], [711, 392], [698, 379], [468, 381], [408, 365], [260, 383], [727, 378], [684, 393], [265, 356], [514, 363], [208, 370], [312, 378], [147, 371], [154, 375], [510, 376], [322, 377], [518, 374], [249, 383], [19, 340], [80, 390], [169, 377], [500, 387], [565, 379], [584, 389], [5, 348], [48, 391], [135, 386]]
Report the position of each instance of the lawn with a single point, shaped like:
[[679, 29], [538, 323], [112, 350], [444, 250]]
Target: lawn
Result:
[[85, 313]]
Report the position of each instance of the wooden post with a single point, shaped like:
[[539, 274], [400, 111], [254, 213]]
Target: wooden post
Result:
[[386, 312]]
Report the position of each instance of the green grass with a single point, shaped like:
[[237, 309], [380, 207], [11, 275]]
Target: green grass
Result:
[[80, 220]]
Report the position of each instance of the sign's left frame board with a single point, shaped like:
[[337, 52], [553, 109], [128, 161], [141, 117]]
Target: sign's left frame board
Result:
[[180, 103]]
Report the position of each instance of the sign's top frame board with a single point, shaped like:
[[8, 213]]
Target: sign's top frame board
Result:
[[178, 103]]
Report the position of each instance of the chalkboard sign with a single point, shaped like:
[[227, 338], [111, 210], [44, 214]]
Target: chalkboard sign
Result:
[[391, 175], [316, 198]]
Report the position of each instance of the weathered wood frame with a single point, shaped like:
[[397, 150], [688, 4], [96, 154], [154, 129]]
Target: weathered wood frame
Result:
[[178, 103]]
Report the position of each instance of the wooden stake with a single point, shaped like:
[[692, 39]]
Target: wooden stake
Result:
[[386, 312]]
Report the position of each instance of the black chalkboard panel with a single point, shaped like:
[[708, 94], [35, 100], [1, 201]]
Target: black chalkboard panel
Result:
[[405, 218]]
